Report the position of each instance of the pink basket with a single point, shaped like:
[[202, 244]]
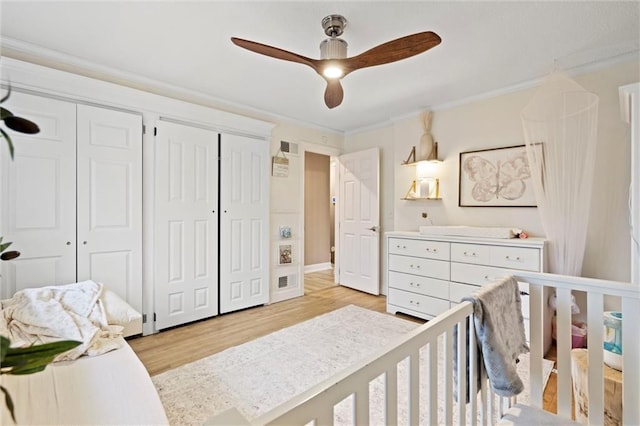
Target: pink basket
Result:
[[578, 333]]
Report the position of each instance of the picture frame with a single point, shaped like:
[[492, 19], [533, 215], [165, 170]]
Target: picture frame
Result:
[[285, 232], [285, 254], [496, 177]]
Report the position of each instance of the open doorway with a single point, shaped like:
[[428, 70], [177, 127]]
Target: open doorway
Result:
[[319, 221]]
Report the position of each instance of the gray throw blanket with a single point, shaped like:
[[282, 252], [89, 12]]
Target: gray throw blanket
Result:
[[500, 333]]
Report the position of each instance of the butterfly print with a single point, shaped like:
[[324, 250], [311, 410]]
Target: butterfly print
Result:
[[505, 179]]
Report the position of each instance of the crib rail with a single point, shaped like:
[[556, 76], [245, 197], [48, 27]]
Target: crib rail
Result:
[[628, 297], [432, 402], [317, 404]]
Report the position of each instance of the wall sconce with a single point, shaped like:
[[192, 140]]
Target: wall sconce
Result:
[[427, 182]]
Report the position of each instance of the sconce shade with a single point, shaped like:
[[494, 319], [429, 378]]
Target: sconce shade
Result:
[[426, 169]]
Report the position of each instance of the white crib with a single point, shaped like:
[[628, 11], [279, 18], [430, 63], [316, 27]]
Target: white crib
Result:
[[316, 405]]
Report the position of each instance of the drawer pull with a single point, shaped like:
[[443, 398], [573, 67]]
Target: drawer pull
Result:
[[470, 254], [414, 303], [402, 247], [416, 284], [509, 258], [432, 250], [416, 266]]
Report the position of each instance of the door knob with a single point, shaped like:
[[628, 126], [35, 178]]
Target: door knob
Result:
[[373, 228]]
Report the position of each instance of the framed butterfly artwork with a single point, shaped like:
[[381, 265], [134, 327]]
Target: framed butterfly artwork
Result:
[[498, 177]]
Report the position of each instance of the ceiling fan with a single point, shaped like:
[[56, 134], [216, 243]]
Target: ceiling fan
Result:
[[334, 63]]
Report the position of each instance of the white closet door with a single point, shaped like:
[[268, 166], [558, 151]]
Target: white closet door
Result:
[[244, 227], [109, 185], [186, 224], [38, 196]]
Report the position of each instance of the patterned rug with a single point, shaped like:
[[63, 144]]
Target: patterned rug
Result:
[[259, 375]]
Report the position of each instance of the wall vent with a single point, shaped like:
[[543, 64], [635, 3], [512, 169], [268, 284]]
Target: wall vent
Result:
[[283, 282], [287, 281], [289, 147]]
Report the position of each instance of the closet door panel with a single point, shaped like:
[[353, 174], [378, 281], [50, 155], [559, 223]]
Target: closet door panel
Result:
[[37, 202], [186, 224], [244, 239], [110, 200]]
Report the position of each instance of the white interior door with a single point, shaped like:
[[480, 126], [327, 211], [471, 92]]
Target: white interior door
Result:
[[244, 224], [186, 224], [38, 196], [109, 159], [359, 220]]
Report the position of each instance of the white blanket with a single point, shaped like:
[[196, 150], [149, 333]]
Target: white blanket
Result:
[[68, 312]]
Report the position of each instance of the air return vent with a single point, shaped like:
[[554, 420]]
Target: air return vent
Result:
[[289, 147], [287, 281]]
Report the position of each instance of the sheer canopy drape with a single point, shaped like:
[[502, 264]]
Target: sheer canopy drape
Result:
[[560, 127]]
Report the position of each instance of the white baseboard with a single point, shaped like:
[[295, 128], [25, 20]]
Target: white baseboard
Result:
[[317, 267]]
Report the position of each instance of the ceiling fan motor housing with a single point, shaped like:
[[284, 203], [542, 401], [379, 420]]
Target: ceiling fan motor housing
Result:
[[333, 48], [334, 25]]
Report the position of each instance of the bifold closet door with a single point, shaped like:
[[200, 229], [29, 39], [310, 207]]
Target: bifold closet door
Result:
[[109, 164], [186, 224], [244, 222], [38, 196]]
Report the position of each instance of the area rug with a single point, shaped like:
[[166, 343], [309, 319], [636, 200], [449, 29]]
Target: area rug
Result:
[[260, 375]]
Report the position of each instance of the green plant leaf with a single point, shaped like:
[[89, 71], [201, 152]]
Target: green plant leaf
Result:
[[4, 113], [21, 125], [9, 255], [32, 359], [6, 136], [4, 246], [9, 403], [4, 345], [7, 95]]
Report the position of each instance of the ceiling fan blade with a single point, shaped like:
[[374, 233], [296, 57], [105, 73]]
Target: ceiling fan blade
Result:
[[333, 94], [275, 52], [394, 50]]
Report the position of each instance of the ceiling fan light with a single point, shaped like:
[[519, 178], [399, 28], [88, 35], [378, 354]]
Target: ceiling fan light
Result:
[[332, 71]]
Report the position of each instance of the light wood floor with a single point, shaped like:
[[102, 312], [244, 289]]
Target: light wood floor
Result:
[[180, 345]]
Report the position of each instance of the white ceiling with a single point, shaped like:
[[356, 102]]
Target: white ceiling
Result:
[[486, 46]]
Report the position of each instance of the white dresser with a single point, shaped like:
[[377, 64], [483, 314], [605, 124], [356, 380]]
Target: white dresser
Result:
[[429, 274]]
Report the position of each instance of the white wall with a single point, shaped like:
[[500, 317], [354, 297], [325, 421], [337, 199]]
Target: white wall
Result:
[[495, 122], [287, 200]]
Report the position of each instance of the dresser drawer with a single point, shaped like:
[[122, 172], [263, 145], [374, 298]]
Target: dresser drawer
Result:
[[476, 274], [527, 259], [421, 248], [457, 291], [470, 253], [419, 266], [416, 302], [419, 284]]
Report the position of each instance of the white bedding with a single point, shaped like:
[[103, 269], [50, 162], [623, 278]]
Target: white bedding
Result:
[[110, 389], [67, 312]]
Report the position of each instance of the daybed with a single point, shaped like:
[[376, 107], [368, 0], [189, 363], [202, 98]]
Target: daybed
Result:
[[432, 404], [112, 388]]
